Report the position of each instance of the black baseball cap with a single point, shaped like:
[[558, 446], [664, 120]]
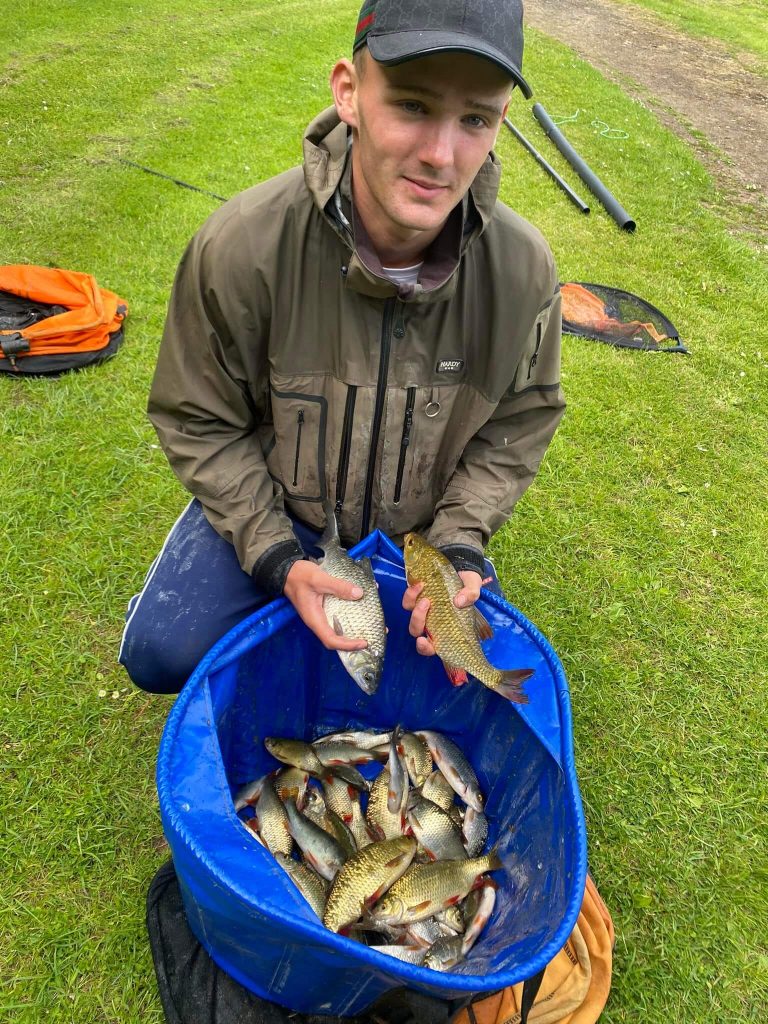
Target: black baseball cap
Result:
[[400, 30]]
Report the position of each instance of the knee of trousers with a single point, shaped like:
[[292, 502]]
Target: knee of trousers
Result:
[[157, 662]]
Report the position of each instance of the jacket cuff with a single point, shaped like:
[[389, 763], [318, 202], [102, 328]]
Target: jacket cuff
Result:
[[463, 557], [272, 567]]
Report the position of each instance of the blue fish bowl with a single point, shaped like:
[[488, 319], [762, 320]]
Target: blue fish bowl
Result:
[[269, 676]]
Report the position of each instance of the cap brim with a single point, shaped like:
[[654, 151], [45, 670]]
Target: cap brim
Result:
[[398, 47]]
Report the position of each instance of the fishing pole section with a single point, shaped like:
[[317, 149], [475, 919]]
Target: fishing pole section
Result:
[[587, 175]]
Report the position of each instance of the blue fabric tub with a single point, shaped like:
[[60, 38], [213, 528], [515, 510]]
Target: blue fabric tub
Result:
[[270, 677]]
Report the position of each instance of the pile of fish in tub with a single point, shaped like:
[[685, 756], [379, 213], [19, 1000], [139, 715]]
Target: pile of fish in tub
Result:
[[406, 873]]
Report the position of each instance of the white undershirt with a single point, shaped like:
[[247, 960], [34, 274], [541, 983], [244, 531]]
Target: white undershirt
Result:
[[404, 275]]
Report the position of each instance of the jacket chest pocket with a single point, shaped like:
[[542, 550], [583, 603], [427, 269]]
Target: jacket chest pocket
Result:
[[298, 457]]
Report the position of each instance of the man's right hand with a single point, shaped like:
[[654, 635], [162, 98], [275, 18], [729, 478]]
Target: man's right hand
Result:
[[305, 587]]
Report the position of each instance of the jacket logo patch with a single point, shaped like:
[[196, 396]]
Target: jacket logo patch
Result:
[[450, 366]]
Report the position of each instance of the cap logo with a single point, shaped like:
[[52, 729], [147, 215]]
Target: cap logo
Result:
[[367, 18], [450, 366]]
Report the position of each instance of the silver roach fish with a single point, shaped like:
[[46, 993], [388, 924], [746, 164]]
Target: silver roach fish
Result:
[[355, 619]]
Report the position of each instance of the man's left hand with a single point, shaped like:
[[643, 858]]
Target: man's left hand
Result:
[[419, 606]]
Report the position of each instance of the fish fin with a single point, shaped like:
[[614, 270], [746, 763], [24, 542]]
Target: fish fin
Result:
[[452, 901], [482, 626], [338, 629], [397, 861], [414, 908], [330, 535], [458, 676], [511, 684]]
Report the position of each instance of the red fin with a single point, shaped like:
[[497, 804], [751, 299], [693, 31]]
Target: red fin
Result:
[[453, 900], [511, 684], [457, 675]]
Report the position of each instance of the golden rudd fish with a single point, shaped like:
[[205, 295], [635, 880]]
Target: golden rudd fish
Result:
[[456, 632], [425, 889], [364, 878]]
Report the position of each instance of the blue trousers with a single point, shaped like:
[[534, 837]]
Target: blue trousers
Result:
[[194, 593]]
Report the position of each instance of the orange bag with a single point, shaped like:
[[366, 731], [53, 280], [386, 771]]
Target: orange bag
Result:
[[54, 320], [575, 984]]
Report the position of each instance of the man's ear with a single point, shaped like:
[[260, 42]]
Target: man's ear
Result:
[[344, 83]]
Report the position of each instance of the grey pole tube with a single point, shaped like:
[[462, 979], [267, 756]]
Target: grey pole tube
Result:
[[547, 167], [588, 176]]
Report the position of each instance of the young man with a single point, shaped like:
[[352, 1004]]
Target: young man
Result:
[[374, 330]]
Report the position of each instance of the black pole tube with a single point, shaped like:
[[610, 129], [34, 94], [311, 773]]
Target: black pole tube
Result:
[[547, 167], [589, 178]]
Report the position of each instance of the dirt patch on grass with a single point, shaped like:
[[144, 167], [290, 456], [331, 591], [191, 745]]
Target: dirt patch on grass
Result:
[[695, 86]]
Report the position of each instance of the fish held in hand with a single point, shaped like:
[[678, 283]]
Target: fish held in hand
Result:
[[456, 632], [361, 619]]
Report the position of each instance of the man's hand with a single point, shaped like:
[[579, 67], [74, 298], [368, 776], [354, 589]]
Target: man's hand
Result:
[[305, 587], [419, 606]]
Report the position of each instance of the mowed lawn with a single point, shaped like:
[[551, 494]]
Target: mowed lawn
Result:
[[640, 550]]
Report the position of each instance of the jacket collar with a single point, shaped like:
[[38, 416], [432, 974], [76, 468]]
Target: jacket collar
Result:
[[328, 176]]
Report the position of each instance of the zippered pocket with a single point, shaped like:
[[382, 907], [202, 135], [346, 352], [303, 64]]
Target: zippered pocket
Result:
[[534, 358], [297, 460], [299, 425], [404, 442], [345, 447]]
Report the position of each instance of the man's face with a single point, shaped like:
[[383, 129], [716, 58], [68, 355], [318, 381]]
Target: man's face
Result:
[[422, 130]]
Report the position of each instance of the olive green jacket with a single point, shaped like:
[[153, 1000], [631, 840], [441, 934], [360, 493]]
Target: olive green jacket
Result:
[[293, 372]]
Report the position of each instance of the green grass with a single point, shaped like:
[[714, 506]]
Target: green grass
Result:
[[741, 25], [640, 550]]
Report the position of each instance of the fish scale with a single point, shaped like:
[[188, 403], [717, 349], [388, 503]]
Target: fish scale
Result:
[[363, 877]]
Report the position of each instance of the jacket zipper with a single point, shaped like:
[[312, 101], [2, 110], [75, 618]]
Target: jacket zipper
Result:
[[535, 355], [299, 425], [381, 392], [346, 445], [405, 441]]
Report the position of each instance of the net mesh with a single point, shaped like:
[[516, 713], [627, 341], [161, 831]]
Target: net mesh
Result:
[[617, 318]]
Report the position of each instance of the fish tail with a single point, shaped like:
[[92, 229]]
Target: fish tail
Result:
[[331, 533], [493, 860], [510, 684]]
